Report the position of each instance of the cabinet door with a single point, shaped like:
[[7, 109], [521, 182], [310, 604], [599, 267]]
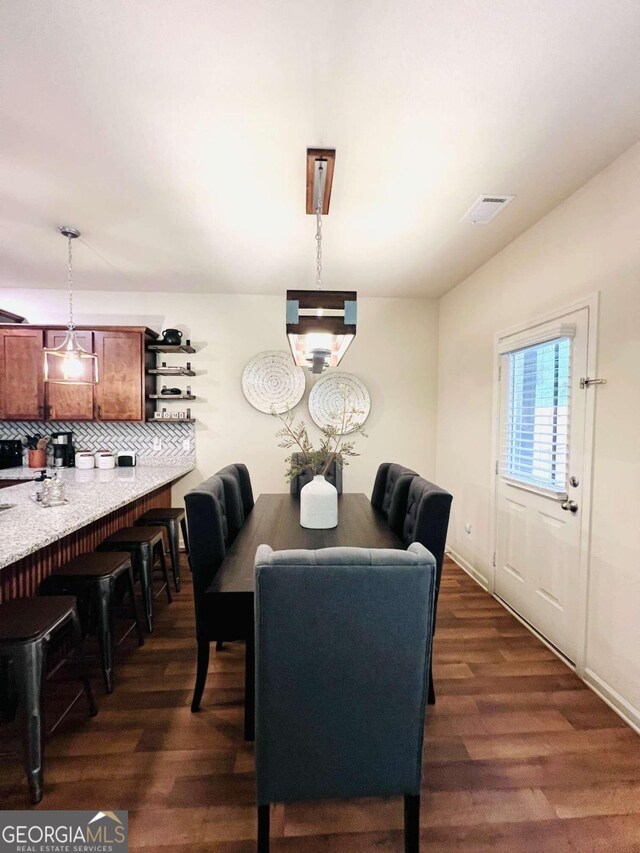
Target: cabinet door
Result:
[[21, 374], [68, 402], [119, 394]]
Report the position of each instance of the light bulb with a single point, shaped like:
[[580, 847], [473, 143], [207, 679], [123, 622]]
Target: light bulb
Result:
[[71, 366], [318, 341]]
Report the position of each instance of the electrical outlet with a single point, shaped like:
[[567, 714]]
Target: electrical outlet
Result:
[[157, 442], [467, 529], [186, 445]]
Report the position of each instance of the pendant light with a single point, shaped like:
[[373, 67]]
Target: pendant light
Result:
[[70, 363], [321, 324]]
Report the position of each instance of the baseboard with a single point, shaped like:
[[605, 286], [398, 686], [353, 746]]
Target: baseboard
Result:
[[468, 568], [614, 700], [609, 696]]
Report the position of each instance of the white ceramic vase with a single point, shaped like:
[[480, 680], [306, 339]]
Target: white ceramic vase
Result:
[[319, 504]]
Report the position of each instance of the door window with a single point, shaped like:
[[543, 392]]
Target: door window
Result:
[[536, 439]]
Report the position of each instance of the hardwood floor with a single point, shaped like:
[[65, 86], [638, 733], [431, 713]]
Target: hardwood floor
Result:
[[519, 754]]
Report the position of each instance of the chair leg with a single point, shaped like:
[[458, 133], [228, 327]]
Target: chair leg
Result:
[[185, 535], [412, 823], [105, 608], [132, 595], [263, 829], [82, 667], [201, 674], [163, 569], [174, 551], [146, 584], [29, 665]]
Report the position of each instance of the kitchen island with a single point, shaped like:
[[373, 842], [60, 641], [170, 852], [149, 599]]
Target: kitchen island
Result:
[[34, 540]]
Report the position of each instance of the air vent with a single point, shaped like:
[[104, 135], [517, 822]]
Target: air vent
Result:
[[486, 208]]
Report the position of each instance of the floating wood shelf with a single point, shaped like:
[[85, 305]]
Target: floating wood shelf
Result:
[[160, 371], [171, 420], [171, 348], [171, 396]]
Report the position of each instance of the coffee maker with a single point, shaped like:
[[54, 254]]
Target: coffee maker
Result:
[[63, 449]]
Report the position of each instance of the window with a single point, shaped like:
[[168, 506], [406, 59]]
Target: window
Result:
[[536, 440]]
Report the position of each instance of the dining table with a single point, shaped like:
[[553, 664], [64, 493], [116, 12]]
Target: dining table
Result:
[[275, 521]]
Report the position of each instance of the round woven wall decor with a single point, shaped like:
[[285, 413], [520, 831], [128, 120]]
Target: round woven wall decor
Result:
[[272, 382], [327, 396]]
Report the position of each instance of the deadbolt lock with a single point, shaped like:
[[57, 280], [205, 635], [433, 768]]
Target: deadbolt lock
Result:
[[574, 481]]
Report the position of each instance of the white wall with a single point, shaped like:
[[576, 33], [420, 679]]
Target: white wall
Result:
[[394, 353], [589, 243]]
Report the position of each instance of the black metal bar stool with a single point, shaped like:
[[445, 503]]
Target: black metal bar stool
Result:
[[172, 519], [144, 543], [26, 627], [92, 578]]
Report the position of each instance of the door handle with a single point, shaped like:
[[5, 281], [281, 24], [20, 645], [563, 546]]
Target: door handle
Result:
[[570, 506]]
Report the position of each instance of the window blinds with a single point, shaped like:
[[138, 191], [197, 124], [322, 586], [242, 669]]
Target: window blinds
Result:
[[535, 438]]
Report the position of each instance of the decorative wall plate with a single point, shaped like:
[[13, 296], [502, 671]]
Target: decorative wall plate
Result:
[[326, 400], [272, 382]]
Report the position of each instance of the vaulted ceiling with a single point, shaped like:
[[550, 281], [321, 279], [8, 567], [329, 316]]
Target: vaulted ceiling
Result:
[[173, 133]]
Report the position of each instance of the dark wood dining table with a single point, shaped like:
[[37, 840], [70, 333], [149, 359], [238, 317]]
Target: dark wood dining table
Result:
[[275, 521]]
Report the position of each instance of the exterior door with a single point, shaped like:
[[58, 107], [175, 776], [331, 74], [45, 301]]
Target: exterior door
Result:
[[21, 374], [68, 402], [119, 393], [539, 475]]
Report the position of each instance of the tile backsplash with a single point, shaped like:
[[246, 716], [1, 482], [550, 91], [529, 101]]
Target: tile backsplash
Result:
[[156, 444]]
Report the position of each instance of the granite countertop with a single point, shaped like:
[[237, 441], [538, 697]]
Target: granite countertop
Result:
[[27, 526]]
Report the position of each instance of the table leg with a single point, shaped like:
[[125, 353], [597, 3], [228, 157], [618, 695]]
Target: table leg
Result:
[[249, 689]]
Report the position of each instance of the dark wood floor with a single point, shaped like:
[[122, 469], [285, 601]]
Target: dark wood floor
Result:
[[519, 754]]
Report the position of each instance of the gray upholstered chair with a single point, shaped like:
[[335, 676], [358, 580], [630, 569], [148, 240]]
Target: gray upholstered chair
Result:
[[426, 520], [333, 476], [214, 516], [241, 474], [343, 644], [390, 492]]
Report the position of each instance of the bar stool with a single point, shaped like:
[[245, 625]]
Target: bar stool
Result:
[[171, 518], [93, 577], [26, 627], [143, 543]]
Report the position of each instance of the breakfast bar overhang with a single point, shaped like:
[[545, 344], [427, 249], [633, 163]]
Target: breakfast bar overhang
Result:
[[35, 540]]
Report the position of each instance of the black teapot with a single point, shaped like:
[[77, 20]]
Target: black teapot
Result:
[[172, 337]]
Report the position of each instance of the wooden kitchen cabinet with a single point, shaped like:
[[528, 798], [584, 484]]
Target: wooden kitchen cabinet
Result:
[[119, 394], [68, 402], [123, 388], [21, 374]]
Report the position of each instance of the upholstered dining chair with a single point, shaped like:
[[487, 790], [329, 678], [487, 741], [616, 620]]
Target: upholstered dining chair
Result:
[[241, 473], [214, 517], [333, 476], [343, 644], [426, 520], [390, 492]]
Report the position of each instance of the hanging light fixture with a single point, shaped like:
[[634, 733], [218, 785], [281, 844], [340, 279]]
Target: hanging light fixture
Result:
[[70, 363], [320, 323]]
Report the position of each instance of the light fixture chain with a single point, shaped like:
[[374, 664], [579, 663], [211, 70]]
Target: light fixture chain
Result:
[[319, 244], [71, 324]]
